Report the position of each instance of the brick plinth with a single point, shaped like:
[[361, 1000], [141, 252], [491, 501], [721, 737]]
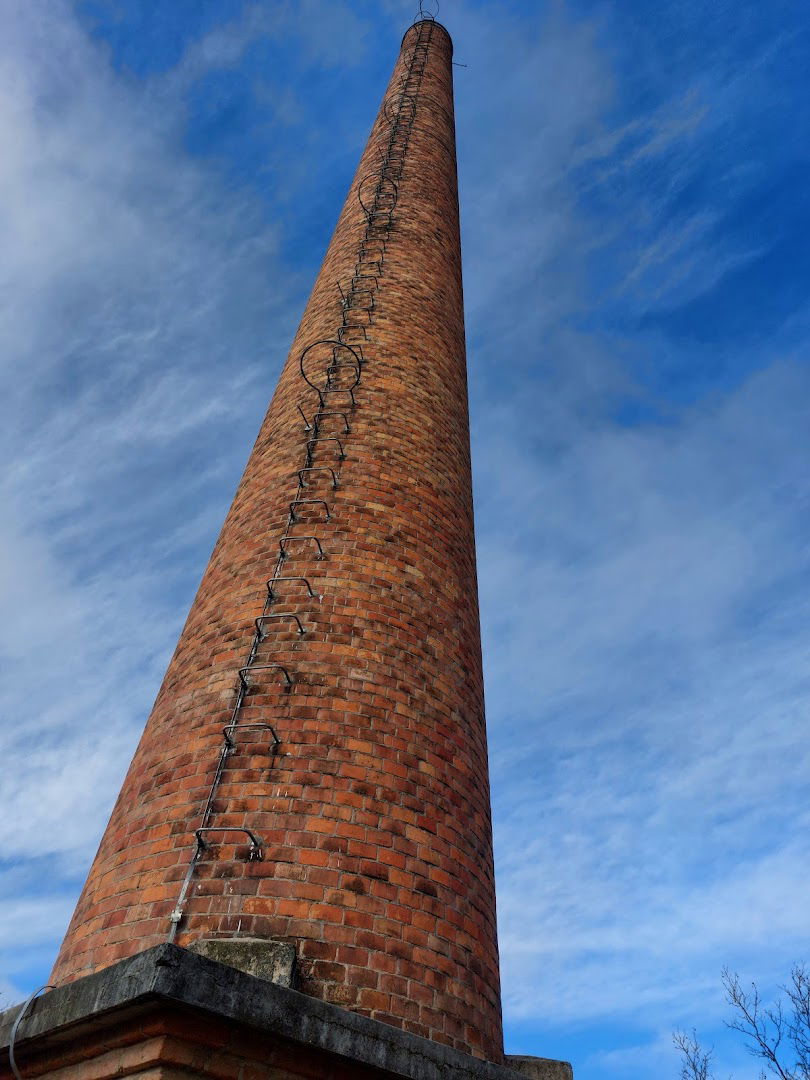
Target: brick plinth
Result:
[[372, 813], [168, 1013]]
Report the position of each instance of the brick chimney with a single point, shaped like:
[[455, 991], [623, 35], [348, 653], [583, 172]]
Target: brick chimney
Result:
[[309, 801], [339, 616]]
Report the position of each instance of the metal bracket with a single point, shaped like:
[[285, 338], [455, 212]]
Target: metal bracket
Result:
[[230, 742], [326, 438], [358, 304], [375, 262], [377, 232], [246, 673], [321, 413], [380, 245], [380, 218], [286, 539], [337, 390], [308, 502], [359, 327], [260, 630], [372, 252], [271, 596], [316, 468], [363, 275], [255, 853], [361, 288]]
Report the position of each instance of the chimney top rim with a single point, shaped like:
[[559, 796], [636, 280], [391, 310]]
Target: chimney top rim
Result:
[[435, 22]]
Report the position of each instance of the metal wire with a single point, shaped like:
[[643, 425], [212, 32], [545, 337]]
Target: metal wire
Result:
[[427, 16], [26, 1005]]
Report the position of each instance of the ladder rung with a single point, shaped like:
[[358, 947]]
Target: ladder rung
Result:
[[249, 673], [273, 617], [289, 539], [321, 413], [271, 596]]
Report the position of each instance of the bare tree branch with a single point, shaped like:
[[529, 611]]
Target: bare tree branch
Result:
[[764, 1029], [771, 1032], [695, 1061], [798, 993]]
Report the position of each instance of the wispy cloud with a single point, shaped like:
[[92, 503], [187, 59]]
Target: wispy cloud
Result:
[[644, 580], [134, 322]]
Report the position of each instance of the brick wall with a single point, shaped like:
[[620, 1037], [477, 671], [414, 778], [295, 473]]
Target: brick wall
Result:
[[374, 810], [175, 1044]]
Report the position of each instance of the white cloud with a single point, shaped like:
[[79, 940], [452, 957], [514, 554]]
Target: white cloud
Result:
[[645, 605], [644, 587], [330, 34]]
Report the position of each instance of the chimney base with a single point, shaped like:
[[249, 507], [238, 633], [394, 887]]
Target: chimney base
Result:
[[172, 1014]]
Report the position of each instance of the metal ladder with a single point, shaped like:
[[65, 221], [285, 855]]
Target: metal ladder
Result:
[[332, 368]]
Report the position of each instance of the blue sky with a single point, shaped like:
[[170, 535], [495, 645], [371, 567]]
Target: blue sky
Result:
[[634, 212]]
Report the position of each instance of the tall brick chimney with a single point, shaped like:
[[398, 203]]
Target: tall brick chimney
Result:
[[314, 772]]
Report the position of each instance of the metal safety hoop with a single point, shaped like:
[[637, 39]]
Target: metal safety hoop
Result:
[[354, 363]]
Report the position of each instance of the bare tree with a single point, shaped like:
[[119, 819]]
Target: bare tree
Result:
[[778, 1034]]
